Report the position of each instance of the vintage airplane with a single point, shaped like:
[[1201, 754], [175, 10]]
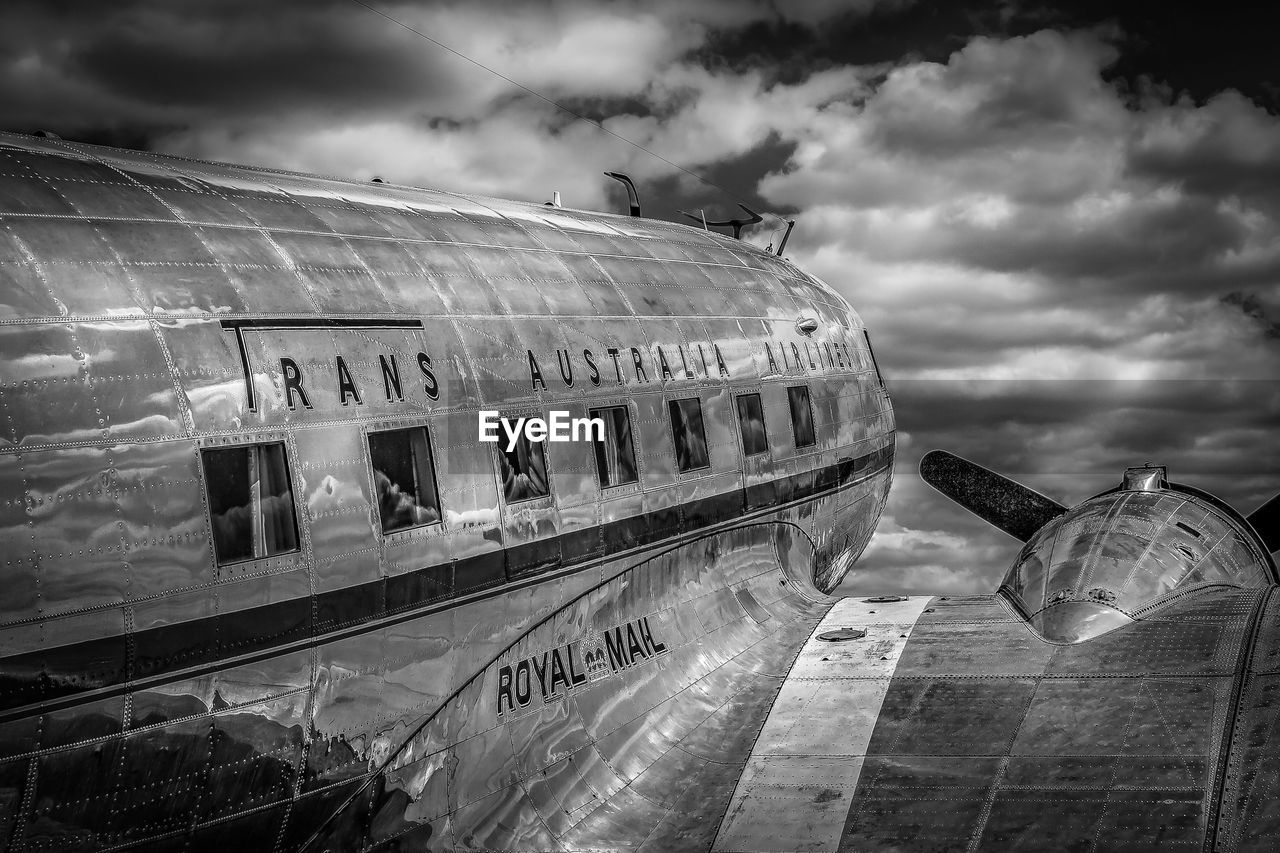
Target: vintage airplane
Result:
[[265, 588]]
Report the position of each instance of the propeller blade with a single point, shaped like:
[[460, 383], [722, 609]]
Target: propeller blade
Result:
[[994, 498], [1266, 521]]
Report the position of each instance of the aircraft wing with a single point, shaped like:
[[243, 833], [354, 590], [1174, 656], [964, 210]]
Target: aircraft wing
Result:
[[952, 726]]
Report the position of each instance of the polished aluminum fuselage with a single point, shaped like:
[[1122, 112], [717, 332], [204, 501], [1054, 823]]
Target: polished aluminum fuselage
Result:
[[150, 308]]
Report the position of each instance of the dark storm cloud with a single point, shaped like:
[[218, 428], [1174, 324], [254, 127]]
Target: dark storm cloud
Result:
[[1015, 425], [1016, 156], [303, 52], [1252, 308], [1229, 147], [197, 61], [85, 65], [334, 87]]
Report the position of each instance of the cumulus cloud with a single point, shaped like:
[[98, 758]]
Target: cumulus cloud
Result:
[[333, 87], [1063, 278]]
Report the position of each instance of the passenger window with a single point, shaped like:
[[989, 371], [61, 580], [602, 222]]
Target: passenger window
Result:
[[404, 478], [690, 438], [523, 469], [751, 422], [801, 415], [250, 502], [615, 453]]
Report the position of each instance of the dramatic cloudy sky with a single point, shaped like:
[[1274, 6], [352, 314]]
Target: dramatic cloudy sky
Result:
[[1061, 224]]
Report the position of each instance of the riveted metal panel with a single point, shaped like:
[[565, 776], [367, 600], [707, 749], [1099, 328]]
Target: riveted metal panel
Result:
[[117, 787], [24, 192], [667, 346], [594, 374], [190, 198], [52, 401], [275, 210], [90, 721], [343, 290], [208, 368], [345, 218], [407, 223], [1023, 820], [336, 504], [464, 288], [129, 375], [310, 808], [708, 297], [77, 265], [1249, 812], [15, 776], [735, 350], [655, 447], [989, 648], [935, 716], [159, 493], [256, 267], [498, 355], [1156, 645], [77, 529], [719, 419], [21, 568], [602, 294], [490, 767], [1136, 716], [252, 760], [403, 283], [23, 283], [1090, 750]]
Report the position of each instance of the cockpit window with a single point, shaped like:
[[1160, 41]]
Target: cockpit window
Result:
[[801, 415], [523, 469], [250, 502], [751, 422], [404, 478], [690, 437], [615, 452]]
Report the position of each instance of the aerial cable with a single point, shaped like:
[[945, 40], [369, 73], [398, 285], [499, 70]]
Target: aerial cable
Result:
[[554, 103]]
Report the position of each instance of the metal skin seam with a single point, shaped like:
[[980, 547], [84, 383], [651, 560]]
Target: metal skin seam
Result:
[[1226, 783], [997, 781]]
